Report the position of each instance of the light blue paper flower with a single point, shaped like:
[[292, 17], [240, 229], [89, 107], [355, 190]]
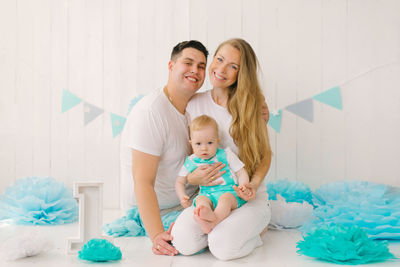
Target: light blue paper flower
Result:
[[132, 225], [99, 250], [343, 245], [39, 201], [292, 191], [373, 207]]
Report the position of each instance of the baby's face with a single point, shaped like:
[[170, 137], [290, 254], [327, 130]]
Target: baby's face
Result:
[[205, 142]]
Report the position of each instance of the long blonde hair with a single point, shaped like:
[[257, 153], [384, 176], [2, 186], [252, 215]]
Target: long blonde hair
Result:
[[245, 99]]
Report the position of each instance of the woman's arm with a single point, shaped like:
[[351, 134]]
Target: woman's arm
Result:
[[261, 171], [144, 179], [206, 175], [243, 176], [257, 178], [263, 167]]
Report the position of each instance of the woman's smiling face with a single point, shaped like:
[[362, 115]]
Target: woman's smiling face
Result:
[[225, 66]]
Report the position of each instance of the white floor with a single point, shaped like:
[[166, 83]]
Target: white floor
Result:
[[279, 250]]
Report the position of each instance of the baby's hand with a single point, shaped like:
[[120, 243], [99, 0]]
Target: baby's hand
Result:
[[185, 201], [246, 191]]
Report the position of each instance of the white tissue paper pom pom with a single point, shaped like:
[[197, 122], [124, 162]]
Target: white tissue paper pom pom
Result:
[[289, 214], [25, 244]]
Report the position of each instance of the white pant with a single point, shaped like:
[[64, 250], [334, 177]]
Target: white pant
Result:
[[234, 237]]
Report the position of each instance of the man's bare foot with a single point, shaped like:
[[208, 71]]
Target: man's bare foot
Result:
[[206, 226], [205, 213]]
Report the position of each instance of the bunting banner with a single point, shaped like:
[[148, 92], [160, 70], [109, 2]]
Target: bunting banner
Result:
[[303, 109], [331, 97], [90, 112], [275, 119], [69, 100], [117, 124], [133, 102]]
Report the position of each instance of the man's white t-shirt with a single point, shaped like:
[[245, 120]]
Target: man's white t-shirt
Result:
[[155, 127], [203, 104]]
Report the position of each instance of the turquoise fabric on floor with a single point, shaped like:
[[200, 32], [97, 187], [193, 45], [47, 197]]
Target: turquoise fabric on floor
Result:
[[132, 225]]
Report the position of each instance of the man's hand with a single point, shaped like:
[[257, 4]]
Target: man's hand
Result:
[[162, 245]]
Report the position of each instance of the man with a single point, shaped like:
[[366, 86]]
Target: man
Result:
[[155, 143]]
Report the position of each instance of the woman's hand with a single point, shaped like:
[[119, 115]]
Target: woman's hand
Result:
[[162, 245], [247, 192], [265, 111], [206, 175]]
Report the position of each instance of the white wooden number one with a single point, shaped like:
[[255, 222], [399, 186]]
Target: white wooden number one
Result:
[[90, 198]]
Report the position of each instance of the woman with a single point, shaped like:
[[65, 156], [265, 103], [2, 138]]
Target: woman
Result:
[[234, 102]]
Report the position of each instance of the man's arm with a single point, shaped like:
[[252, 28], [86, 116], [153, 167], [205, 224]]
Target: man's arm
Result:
[[144, 170]]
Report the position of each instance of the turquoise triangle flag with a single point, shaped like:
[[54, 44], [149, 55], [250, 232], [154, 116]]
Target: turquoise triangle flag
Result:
[[90, 112], [303, 109], [331, 97], [117, 124], [134, 101], [69, 100], [275, 121]]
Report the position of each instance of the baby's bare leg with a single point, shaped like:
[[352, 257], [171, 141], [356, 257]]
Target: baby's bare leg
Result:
[[226, 203], [204, 214]]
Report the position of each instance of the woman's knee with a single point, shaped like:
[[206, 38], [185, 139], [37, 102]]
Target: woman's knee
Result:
[[223, 249], [188, 238]]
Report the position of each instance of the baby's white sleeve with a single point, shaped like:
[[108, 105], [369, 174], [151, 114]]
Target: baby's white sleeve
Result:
[[183, 171], [233, 160]]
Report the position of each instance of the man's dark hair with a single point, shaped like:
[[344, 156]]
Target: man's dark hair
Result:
[[188, 44]]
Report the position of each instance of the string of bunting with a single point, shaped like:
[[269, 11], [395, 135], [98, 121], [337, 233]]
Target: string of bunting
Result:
[[305, 108], [331, 97], [91, 112]]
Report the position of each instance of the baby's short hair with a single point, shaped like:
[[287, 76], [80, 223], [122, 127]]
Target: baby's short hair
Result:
[[203, 121]]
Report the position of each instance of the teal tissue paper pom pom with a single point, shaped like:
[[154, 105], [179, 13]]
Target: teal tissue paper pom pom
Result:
[[38, 201], [292, 191], [343, 245], [99, 250], [129, 225], [371, 206], [132, 225]]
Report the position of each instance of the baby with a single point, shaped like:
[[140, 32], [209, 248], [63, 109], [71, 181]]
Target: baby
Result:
[[214, 203]]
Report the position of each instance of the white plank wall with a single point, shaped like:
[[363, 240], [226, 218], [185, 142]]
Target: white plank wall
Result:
[[106, 52]]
